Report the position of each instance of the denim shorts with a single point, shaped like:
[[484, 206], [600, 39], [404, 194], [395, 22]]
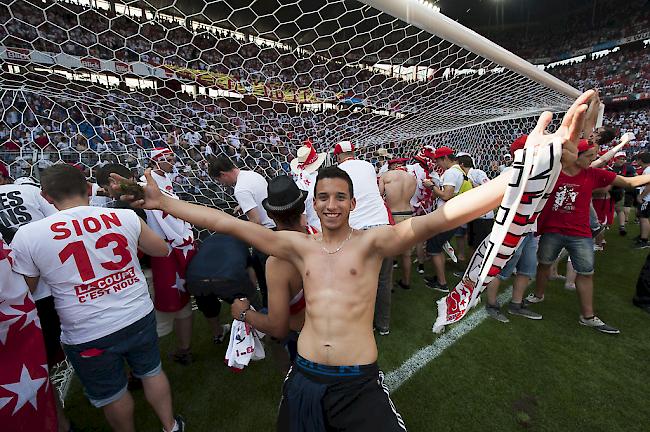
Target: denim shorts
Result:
[[581, 251], [99, 364], [524, 259]]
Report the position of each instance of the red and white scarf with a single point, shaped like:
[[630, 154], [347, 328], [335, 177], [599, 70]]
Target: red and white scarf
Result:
[[533, 177]]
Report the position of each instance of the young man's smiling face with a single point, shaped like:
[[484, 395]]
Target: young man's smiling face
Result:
[[333, 202]]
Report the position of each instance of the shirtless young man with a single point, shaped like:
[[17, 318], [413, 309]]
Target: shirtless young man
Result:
[[336, 383], [397, 186]]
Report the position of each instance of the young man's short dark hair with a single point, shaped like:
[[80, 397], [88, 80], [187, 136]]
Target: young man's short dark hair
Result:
[[218, 165], [466, 161], [63, 181], [103, 174], [288, 217], [334, 172]]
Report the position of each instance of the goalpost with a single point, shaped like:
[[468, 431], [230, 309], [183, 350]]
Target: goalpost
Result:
[[93, 81]]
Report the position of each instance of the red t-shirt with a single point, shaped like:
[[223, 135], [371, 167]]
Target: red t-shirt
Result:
[[567, 209]]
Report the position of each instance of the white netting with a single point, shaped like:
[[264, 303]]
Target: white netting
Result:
[[89, 82]]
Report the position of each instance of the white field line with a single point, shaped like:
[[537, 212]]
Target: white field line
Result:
[[424, 356]]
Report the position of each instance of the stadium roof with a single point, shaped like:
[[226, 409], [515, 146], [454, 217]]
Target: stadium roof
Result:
[[477, 14], [471, 13]]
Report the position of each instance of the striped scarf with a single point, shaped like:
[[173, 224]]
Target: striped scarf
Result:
[[534, 173]]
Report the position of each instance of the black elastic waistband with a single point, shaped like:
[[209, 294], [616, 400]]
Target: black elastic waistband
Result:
[[403, 213], [322, 370]]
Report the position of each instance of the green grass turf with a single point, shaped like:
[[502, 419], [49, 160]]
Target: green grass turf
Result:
[[549, 375]]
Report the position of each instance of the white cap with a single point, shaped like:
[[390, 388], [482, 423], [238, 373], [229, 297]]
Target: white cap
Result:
[[620, 154], [343, 147]]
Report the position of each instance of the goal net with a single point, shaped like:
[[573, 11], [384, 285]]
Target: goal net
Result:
[[88, 82], [92, 81]]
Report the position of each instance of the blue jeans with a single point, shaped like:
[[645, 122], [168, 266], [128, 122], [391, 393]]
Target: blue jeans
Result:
[[524, 259], [581, 251], [99, 364]]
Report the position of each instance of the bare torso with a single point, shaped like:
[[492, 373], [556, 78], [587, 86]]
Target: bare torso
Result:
[[399, 187], [291, 280], [340, 291]]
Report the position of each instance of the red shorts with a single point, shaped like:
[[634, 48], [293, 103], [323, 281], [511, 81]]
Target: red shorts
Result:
[[604, 209]]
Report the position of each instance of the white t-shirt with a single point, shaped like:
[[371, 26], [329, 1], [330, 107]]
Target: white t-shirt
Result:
[[370, 210], [88, 257], [307, 182], [383, 169], [479, 177], [164, 181], [647, 197], [250, 191], [451, 177], [24, 204]]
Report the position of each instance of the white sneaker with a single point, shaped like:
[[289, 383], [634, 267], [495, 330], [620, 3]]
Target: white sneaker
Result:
[[597, 324], [570, 287], [225, 329], [532, 299]]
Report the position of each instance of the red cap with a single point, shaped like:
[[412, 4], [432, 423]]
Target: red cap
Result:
[[443, 151], [3, 170], [158, 152], [518, 144], [584, 145], [397, 161], [343, 147]]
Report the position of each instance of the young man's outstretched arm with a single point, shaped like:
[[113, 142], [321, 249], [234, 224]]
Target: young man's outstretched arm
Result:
[[392, 241], [276, 243]]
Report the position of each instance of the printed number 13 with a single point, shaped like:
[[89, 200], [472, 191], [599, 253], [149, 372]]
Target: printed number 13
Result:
[[77, 250]]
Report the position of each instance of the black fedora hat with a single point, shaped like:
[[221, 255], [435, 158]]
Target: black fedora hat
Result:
[[283, 194]]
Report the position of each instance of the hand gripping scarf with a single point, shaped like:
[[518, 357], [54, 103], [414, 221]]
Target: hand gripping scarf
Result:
[[534, 173]]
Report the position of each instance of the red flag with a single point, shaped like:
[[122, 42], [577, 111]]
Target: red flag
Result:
[[26, 395]]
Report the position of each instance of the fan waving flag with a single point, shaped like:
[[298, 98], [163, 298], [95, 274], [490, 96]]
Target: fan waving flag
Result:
[[533, 177], [26, 396]]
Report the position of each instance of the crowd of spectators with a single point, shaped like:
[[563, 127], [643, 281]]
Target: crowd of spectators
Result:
[[562, 34], [631, 120], [623, 72], [89, 32], [117, 126]]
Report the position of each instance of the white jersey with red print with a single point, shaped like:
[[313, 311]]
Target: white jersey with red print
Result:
[[88, 257], [164, 181], [307, 181], [422, 201], [26, 396], [168, 272]]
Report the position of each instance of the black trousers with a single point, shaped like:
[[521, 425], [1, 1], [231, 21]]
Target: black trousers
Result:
[[642, 296], [258, 262]]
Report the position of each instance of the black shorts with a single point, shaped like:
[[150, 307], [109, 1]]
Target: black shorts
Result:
[[51, 327], [434, 244], [479, 229], [629, 198], [208, 304], [644, 210], [319, 398]]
